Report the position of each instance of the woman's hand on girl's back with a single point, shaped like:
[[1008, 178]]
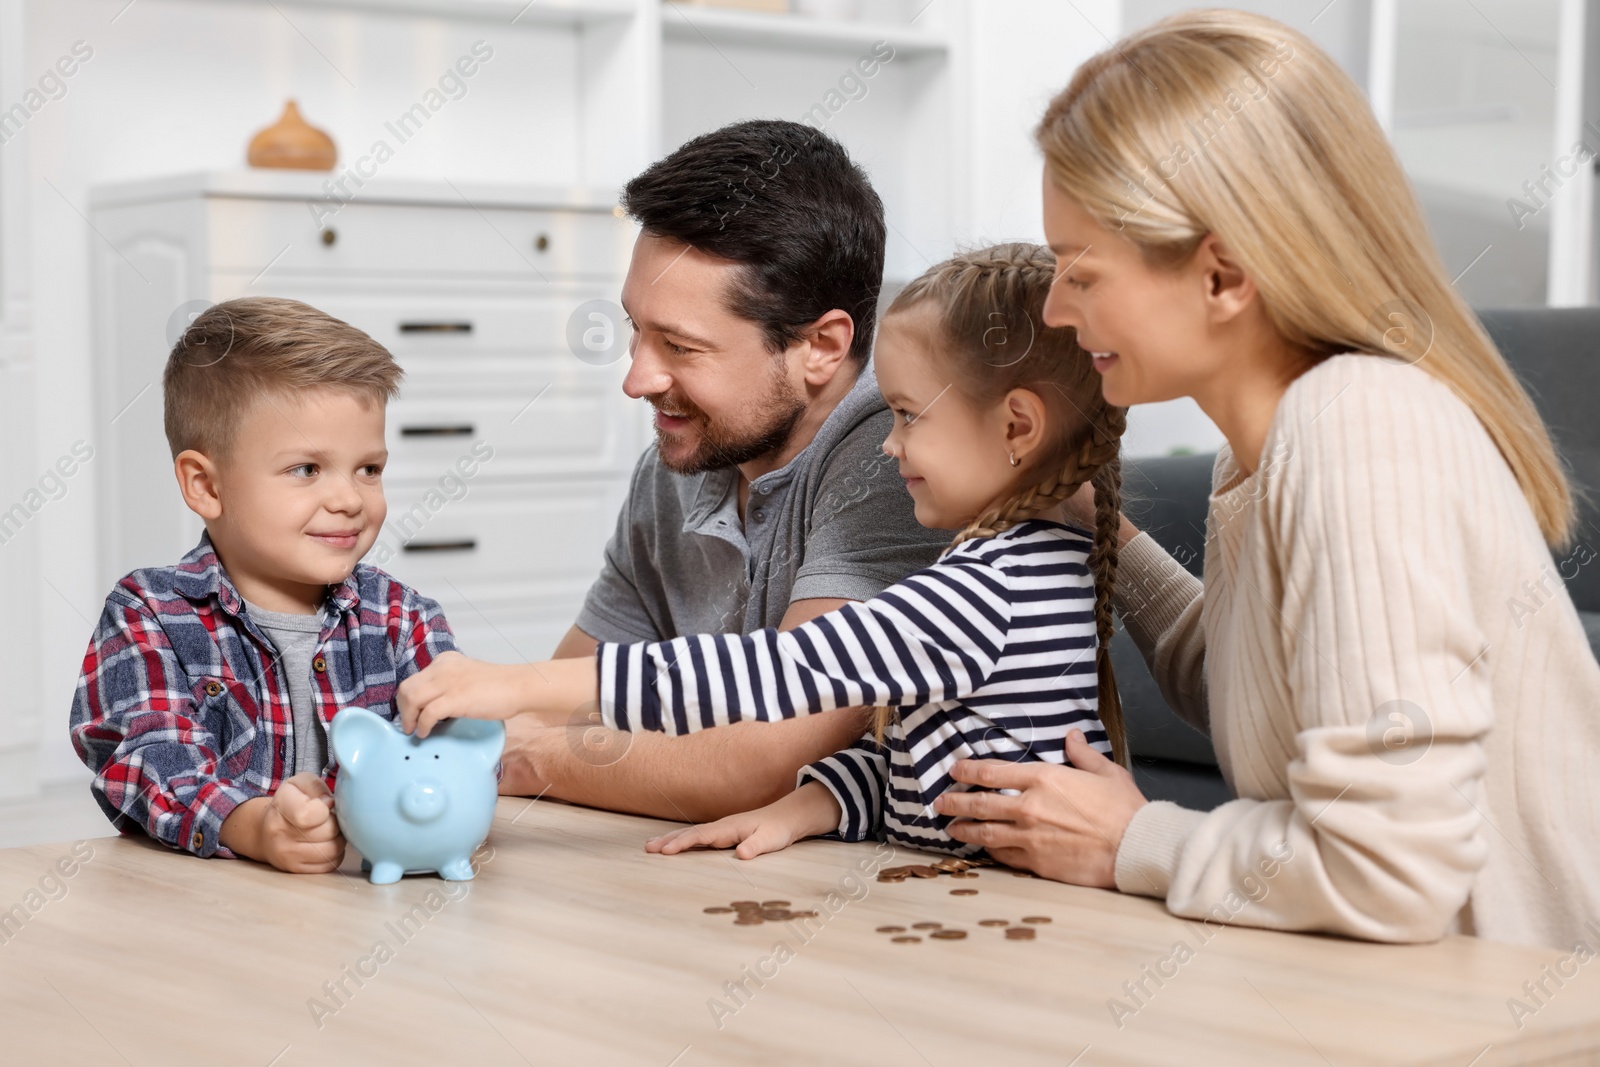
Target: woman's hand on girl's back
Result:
[[1066, 823]]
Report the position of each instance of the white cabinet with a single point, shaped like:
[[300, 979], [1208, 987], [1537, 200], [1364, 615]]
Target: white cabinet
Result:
[[509, 456]]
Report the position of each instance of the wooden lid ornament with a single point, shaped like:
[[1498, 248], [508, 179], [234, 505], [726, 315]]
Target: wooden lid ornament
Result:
[[292, 144]]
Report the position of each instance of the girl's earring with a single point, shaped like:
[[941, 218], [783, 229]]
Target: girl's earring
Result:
[[1013, 459]]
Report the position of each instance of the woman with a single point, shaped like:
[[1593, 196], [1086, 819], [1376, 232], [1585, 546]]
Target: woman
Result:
[[1411, 756]]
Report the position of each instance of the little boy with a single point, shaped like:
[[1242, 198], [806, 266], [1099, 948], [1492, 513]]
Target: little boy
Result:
[[207, 689]]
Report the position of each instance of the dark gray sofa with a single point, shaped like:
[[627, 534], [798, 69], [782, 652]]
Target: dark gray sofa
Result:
[[1556, 353]]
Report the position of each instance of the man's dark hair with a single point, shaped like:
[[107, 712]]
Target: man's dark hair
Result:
[[783, 200]]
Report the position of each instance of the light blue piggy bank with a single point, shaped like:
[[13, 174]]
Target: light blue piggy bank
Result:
[[411, 805]]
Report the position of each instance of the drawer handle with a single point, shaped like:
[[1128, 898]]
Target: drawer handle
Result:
[[469, 545], [423, 326], [463, 430]]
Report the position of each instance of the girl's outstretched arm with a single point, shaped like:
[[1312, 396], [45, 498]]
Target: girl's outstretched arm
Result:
[[935, 636], [455, 687]]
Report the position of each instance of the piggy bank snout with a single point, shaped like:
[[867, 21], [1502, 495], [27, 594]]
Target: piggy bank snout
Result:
[[423, 801]]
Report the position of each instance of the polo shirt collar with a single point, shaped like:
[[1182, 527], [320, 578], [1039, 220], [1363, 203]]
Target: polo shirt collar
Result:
[[715, 485]]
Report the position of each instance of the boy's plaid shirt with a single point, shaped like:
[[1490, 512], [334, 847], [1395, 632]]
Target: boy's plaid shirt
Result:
[[182, 709]]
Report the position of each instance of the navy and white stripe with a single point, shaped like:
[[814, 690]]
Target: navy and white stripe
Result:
[[988, 653]]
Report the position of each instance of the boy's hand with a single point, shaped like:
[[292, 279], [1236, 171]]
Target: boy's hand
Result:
[[294, 829], [806, 812]]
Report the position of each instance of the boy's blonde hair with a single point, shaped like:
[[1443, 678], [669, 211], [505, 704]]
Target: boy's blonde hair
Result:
[[1231, 123], [991, 337], [240, 351]]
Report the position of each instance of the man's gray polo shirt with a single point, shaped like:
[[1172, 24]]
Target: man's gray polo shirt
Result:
[[836, 521]]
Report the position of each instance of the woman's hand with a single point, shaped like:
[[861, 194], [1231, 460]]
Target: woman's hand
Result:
[[455, 687], [1066, 823], [806, 812]]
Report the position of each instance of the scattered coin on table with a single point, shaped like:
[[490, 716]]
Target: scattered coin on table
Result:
[[718, 910], [949, 935], [963, 892], [926, 926], [891, 929], [908, 939], [1020, 933], [1036, 918], [994, 922], [956, 868]]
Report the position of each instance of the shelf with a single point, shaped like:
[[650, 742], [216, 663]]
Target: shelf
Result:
[[517, 12], [308, 185], [683, 22]]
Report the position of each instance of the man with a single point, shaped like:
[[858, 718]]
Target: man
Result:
[[766, 499]]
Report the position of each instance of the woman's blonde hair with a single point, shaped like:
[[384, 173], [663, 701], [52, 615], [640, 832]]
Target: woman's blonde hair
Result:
[[989, 335], [1227, 123]]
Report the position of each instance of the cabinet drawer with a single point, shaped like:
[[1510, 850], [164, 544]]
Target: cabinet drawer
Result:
[[282, 237], [420, 325], [567, 423], [477, 542], [496, 371]]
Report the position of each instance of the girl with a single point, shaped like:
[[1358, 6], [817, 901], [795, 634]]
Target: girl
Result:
[[1412, 757], [1000, 649]]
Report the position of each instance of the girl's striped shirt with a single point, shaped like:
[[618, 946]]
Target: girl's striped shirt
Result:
[[988, 653]]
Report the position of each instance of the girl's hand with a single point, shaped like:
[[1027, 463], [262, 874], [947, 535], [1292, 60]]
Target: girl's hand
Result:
[[1067, 822], [806, 812], [455, 687]]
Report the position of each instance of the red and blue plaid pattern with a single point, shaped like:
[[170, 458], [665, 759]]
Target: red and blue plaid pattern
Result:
[[182, 710]]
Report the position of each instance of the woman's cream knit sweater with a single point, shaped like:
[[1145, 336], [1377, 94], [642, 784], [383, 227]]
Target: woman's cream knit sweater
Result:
[[1396, 682]]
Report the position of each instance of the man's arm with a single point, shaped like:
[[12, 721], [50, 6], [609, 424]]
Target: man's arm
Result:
[[697, 778]]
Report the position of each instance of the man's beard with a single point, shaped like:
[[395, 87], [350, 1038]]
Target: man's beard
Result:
[[776, 416]]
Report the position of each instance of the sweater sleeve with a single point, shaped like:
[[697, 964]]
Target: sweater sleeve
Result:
[[1384, 830], [858, 778], [935, 636], [1160, 603]]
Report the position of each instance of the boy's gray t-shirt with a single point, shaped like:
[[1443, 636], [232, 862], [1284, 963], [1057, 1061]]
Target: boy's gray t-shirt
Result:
[[836, 521], [295, 638]]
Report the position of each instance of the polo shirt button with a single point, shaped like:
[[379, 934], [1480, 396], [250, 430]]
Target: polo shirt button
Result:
[[198, 840], [760, 514], [213, 687], [319, 665]]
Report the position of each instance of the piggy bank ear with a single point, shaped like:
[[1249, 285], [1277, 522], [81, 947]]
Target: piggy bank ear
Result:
[[484, 738], [357, 736]]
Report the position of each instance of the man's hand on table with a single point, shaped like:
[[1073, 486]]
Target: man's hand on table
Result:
[[294, 829], [1065, 824]]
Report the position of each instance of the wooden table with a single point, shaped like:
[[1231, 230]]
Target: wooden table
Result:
[[575, 946]]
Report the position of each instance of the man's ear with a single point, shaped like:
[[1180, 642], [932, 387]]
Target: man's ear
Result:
[[828, 340], [1228, 289], [197, 481]]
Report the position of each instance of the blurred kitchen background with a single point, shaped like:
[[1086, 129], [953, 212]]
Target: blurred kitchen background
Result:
[[468, 224]]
